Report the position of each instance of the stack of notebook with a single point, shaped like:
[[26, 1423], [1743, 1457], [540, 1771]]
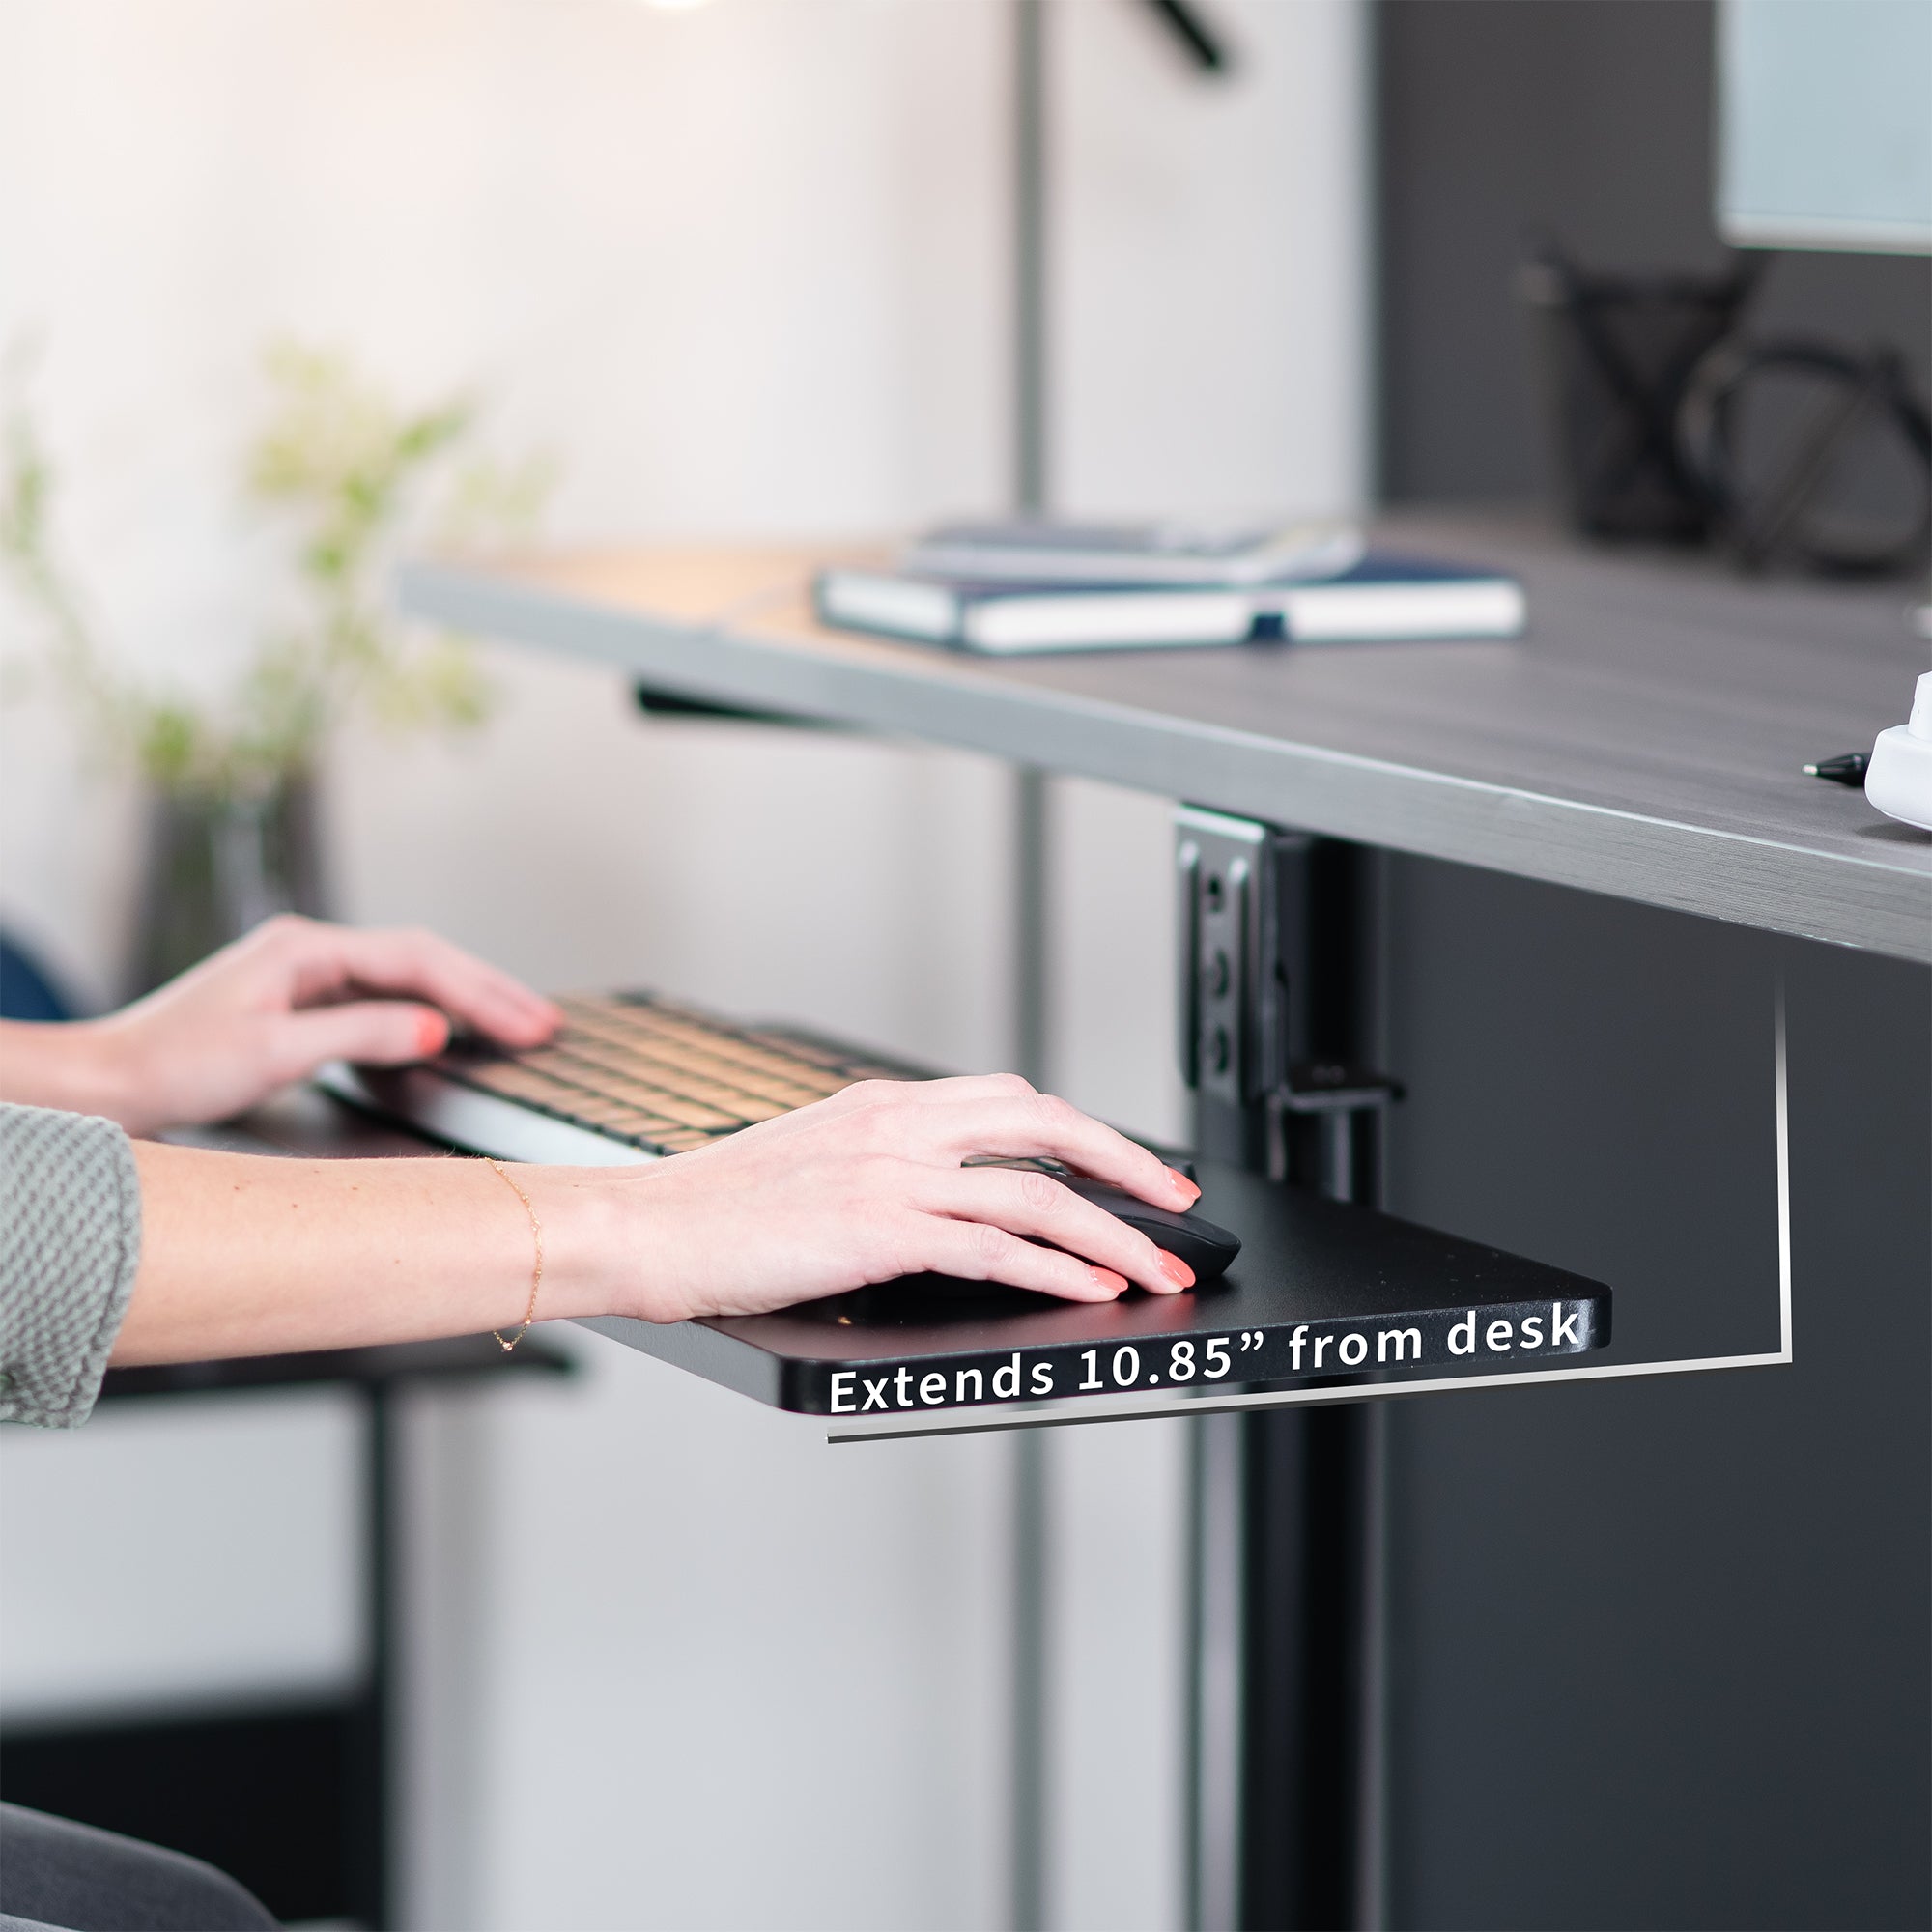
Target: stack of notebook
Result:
[[1014, 588]]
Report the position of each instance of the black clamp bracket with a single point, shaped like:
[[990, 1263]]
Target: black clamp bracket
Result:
[[1264, 1027]]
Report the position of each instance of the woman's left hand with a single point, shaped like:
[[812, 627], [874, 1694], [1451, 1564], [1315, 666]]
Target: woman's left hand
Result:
[[269, 1010]]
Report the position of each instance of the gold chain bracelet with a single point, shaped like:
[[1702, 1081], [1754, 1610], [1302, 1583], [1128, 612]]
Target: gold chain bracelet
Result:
[[536, 1274]]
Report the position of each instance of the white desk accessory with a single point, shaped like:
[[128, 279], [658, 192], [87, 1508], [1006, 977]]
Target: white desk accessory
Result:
[[1898, 780]]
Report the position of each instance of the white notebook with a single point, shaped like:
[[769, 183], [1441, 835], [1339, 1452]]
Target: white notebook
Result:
[[1379, 598]]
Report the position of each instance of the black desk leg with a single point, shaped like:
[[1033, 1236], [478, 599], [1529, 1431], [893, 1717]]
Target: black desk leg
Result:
[[1311, 1851], [369, 1855], [1287, 1774], [1287, 1817]]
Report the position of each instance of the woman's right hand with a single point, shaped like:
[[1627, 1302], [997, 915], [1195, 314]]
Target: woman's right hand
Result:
[[253, 1254], [868, 1185]]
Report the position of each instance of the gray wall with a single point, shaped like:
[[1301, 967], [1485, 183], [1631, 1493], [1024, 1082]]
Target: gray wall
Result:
[[1662, 1647], [1591, 120]]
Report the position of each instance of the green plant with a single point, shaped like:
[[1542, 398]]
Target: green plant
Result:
[[351, 476]]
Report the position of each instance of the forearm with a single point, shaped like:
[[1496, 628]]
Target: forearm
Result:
[[249, 1254], [244, 1255], [73, 1065]]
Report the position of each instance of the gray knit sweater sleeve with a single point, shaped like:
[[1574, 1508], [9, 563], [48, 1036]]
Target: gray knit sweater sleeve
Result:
[[69, 1241]]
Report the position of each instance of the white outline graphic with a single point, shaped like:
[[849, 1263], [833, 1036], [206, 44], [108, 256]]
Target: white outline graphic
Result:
[[1136, 1407]]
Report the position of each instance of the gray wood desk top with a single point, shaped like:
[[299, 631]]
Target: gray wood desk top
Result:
[[1643, 739]]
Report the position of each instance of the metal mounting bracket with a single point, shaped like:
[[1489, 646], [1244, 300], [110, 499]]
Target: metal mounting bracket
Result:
[[1255, 1018]]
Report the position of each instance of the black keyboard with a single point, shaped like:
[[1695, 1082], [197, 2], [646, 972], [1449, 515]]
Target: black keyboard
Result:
[[630, 1077]]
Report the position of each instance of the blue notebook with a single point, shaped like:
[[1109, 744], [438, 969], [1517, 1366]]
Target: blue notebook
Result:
[[1381, 597]]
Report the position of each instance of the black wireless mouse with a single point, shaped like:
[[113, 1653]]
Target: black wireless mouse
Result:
[[1206, 1248]]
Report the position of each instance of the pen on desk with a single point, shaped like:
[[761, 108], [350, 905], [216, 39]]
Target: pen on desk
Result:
[[1847, 769]]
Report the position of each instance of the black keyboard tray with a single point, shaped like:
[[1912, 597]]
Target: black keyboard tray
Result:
[[1321, 1292]]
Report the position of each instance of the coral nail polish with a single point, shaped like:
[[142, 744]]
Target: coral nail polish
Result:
[[1180, 1181], [1114, 1284], [1175, 1269]]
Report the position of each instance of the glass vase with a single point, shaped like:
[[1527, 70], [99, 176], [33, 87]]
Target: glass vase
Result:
[[217, 865]]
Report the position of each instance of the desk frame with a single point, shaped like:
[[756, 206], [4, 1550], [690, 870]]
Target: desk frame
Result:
[[1682, 794], [1645, 741]]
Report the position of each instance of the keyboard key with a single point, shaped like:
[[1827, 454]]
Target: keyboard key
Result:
[[654, 1074]]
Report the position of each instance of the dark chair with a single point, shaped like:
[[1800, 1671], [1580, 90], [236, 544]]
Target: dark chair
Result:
[[28, 991]]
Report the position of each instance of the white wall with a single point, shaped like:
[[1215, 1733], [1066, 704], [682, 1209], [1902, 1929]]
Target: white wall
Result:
[[744, 269], [1211, 326]]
